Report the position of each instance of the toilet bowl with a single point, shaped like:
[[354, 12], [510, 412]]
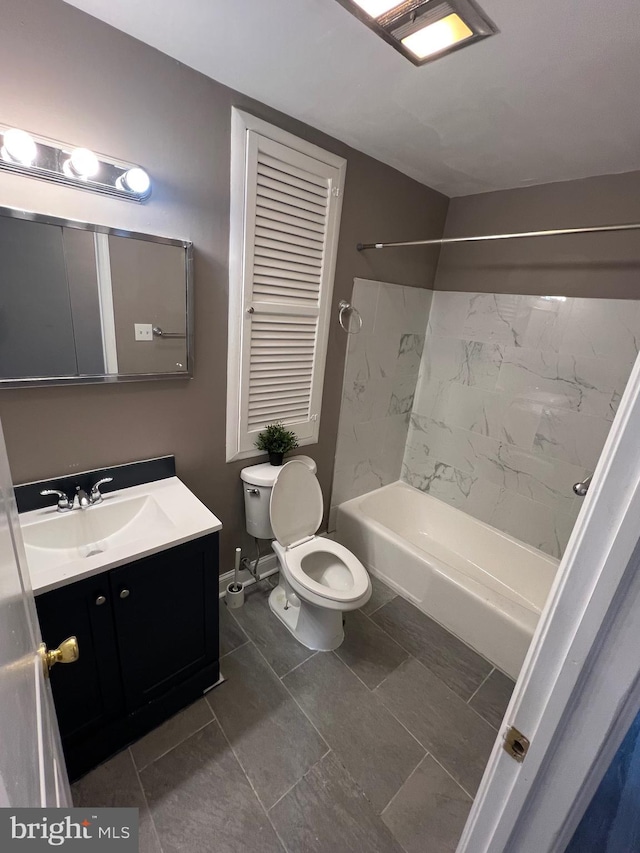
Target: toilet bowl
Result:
[[319, 578]]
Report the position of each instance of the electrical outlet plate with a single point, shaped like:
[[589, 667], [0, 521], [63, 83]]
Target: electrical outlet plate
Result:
[[143, 331]]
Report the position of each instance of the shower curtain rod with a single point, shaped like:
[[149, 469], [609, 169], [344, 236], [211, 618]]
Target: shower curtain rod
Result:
[[559, 232]]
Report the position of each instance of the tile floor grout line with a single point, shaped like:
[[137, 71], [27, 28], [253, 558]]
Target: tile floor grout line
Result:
[[231, 651], [410, 733], [384, 631], [413, 772], [427, 751], [175, 745], [484, 720], [481, 684], [146, 802], [462, 788], [234, 620], [407, 730], [431, 619], [370, 691], [293, 668], [471, 708], [380, 606], [281, 680], [410, 658], [353, 672], [251, 785], [291, 787]]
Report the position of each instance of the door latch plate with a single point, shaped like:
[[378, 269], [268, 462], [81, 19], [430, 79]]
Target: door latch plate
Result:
[[516, 744]]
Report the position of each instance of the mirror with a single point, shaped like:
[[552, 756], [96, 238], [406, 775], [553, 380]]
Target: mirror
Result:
[[84, 303]]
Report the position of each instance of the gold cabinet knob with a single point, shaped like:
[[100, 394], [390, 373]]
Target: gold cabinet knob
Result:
[[67, 652]]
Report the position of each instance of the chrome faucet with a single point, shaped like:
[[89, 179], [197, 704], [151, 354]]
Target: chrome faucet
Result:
[[81, 500], [95, 497], [64, 505]]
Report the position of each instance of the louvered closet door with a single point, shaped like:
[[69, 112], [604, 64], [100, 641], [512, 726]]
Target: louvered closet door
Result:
[[290, 217]]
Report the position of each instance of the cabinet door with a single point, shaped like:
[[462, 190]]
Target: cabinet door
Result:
[[166, 618], [88, 693]]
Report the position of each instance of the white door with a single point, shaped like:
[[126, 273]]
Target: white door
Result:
[[32, 770], [579, 689]]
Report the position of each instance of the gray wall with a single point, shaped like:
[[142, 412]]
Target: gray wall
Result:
[[82, 278], [36, 330], [599, 265], [78, 80], [148, 286]]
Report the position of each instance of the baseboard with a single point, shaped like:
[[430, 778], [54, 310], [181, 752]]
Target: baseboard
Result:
[[268, 566]]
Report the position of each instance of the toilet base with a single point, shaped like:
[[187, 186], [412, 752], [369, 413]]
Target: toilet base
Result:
[[317, 628]]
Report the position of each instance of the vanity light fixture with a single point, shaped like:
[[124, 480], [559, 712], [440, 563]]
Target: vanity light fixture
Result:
[[39, 157], [136, 180], [424, 30], [81, 164], [18, 147]]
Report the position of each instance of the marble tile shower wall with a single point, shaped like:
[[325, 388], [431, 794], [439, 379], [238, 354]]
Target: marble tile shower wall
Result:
[[380, 377], [513, 404]]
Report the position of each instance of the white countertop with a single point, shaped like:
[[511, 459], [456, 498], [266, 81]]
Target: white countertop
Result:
[[163, 514]]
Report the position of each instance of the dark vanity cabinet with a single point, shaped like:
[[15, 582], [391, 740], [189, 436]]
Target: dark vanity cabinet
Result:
[[148, 638]]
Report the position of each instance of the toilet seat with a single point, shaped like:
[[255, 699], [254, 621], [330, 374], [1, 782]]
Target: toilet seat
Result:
[[320, 571], [351, 580], [296, 505]]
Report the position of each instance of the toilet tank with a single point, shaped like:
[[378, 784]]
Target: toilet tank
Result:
[[257, 482]]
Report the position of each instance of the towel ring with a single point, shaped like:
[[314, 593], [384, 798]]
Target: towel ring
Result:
[[343, 305]]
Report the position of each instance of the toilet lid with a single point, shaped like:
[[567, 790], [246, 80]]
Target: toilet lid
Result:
[[296, 503]]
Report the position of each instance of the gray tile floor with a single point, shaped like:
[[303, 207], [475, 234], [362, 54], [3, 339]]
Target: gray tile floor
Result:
[[376, 748]]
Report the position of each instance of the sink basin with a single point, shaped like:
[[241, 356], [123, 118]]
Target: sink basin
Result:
[[83, 533], [62, 547]]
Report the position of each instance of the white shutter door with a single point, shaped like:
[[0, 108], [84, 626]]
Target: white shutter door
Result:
[[291, 216]]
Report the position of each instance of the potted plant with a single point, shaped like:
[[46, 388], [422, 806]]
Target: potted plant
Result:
[[277, 441]]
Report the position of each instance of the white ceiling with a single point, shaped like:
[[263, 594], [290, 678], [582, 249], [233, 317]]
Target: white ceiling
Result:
[[554, 96]]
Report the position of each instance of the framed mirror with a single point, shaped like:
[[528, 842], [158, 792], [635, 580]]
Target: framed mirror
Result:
[[85, 303]]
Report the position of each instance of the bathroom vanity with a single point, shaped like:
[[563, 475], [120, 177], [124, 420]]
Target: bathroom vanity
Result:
[[135, 580]]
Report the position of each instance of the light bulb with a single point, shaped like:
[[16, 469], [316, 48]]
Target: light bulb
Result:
[[82, 164], [18, 147], [437, 36], [377, 8], [136, 180]]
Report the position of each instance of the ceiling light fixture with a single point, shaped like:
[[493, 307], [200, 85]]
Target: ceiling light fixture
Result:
[[376, 8], [424, 30], [437, 36], [38, 157]]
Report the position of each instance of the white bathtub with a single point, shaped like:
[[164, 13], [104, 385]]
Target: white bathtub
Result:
[[484, 586]]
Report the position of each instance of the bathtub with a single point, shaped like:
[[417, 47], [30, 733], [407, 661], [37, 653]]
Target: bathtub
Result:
[[483, 585]]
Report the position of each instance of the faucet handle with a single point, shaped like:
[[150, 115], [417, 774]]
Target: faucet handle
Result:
[[95, 497], [63, 501]]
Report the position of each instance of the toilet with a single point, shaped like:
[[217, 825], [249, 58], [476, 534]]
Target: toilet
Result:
[[319, 579]]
